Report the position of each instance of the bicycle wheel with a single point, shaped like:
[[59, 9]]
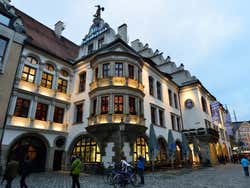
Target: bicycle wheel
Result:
[[118, 181], [134, 180]]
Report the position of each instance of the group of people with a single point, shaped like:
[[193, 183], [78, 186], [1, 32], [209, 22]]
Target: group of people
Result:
[[13, 168]]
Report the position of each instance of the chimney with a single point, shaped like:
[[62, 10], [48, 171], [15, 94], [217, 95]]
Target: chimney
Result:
[[59, 27], [122, 32]]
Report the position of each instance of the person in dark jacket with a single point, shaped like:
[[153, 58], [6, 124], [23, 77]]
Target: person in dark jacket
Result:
[[140, 168], [25, 170], [10, 173]]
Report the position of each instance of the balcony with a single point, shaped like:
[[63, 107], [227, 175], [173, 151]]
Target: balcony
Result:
[[116, 118], [117, 81]]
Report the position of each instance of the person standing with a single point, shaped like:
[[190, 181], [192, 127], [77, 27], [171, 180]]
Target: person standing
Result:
[[24, 170], [140, 168], [76, 167], [244, 162], [10, 173]]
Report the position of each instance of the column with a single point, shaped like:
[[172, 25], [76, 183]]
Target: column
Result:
[[32, 111], [39, 74], [20, 69], [50, 115], [55, 80]]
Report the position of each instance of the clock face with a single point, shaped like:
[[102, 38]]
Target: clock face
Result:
[[189, 103]]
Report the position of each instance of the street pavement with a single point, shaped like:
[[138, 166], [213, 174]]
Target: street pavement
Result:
[[222, 176]]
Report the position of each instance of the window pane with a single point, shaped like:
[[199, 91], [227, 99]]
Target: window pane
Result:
[[4, 20], [22, 107]]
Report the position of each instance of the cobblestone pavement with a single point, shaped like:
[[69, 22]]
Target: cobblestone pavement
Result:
[[223, 176]]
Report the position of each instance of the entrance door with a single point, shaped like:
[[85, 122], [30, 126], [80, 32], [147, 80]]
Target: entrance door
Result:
[[57, 164]]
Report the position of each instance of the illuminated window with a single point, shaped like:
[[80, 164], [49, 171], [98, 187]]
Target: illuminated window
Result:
[[131, 73], [5, 20], [159, 90], [87, 149], [49, 67], [141, 148], [62, 85], [162, 155], [105, 70], [79, 113], [118, 69], [118, 104], [22, 107], [41, 111], [28, 74], [104, 105], [47, 80], [3, 46], [82, 81], [32, 60], [132, 105], [151, 85], [58, 115]]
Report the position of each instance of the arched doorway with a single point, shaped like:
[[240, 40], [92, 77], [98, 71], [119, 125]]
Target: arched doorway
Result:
[[87, 148], [225, 152], [162, 155], [140, 148], [178, 154], [33, 147]]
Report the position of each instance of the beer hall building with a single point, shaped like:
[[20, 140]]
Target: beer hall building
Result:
[[99, 99]]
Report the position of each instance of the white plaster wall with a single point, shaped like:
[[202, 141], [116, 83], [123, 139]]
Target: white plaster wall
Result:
[[109, 154], [126, 149]]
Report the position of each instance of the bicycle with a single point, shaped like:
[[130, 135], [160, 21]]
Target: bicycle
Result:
[[121, 179]]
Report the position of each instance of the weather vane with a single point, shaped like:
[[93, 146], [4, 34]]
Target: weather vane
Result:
[[98, 11]]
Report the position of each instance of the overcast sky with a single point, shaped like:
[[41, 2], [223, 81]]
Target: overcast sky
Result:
[[210, 37]]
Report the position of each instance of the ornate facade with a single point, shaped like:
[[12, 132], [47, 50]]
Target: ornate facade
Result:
[[98, 100]]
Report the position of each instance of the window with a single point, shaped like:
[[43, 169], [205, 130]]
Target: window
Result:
[[153, 115], [162, 154], [90, 48], [4, 20], [100, 42], [82, 82], [96, 73], [151, 85], [87, 149], [178, 123], [159, 91], [32, 60], [64, 73], [105, 70], [173, 122], [28, 74], [118, 69], [79, 113], [104, 105], [62, 85], [94, 107], [118, 104], [41, 111], [22, 107], [161, 118], [3, 46], [49, 67], [204, 104], [170, 97], [131, 73], [58, 115], [141, 148], [47, 80], [132, 106], [175, 101], [141, 107]]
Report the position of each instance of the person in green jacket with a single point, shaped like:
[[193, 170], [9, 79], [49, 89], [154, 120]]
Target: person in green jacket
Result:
[[76, 168]]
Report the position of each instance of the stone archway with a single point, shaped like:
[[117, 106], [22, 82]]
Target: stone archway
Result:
[[33, 146], [178, 154]]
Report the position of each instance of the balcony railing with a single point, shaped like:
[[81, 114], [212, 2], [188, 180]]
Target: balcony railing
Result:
[[116, 118], [117, 81]]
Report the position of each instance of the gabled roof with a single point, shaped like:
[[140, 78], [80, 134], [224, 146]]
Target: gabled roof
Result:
[[44, 38]]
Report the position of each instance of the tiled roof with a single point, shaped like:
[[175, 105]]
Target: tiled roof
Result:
[[44, 38]]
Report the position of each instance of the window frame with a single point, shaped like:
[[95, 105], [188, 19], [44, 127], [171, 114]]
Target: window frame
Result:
[[131, 71], [151, 85], [45, 81], [119, 69], [153, 115], [61, 87], [104, 104], [3, 51], [170, 97], [118, 104], [159, 90], [43, 110], [28, 74], [132, 105], [5, 16], [22, 110], [82, 81], [79, 113], [105, 70], [58, 115]]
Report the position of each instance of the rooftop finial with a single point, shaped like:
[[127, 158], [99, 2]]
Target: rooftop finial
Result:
[[98, 11]]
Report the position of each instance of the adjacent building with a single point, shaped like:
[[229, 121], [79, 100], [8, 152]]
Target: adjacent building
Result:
[[98, 100]]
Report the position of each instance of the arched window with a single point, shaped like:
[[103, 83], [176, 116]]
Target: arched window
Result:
[[32, 60], [64, 73], [141, 148], [87, 149], [49, 67], [204, 104], [47, 78]]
